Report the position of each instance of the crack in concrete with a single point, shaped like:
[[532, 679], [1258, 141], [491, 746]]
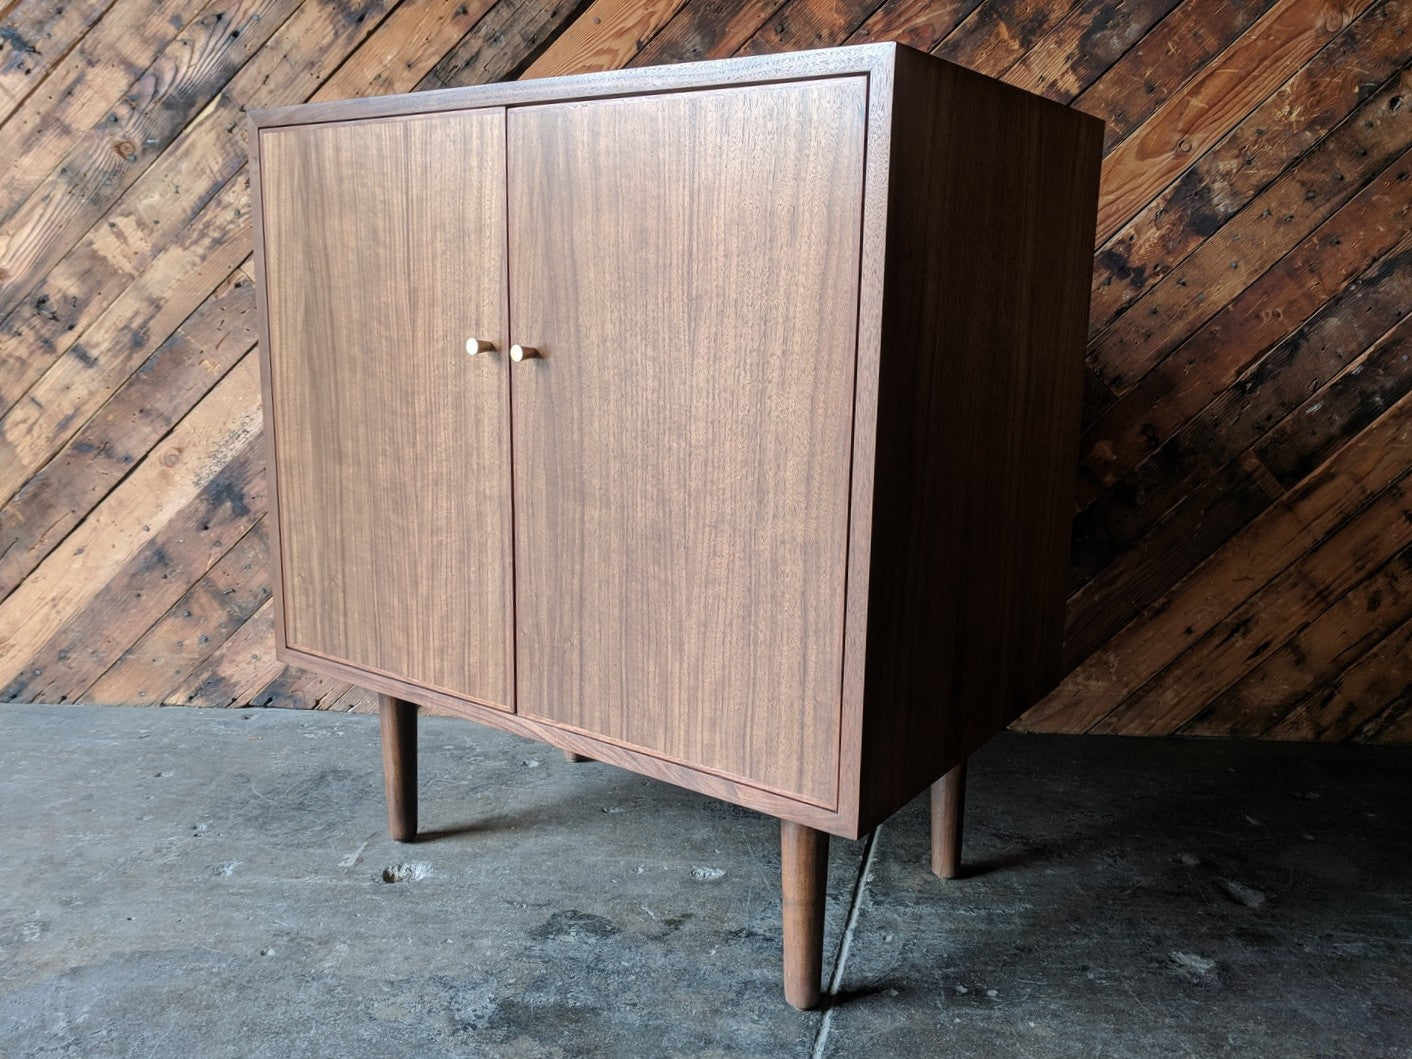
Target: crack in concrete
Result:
[[855, 901]]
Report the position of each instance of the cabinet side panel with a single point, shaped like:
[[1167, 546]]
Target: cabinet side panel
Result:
[[991, 213], [391, 445], [688, 264]]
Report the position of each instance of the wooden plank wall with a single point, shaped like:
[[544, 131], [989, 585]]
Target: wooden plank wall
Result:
[[1243, 537]]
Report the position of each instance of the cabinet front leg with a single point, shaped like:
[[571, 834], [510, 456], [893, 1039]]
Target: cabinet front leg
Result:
[[948, 808], [804, 864], [399, 765]]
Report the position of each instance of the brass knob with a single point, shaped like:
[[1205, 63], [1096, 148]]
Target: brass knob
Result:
[[519, 352], [479, 345]]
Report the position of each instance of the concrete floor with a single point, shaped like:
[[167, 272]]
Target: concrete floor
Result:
[[218, 883]]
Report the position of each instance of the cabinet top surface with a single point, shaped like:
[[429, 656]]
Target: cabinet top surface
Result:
[[755, 69]]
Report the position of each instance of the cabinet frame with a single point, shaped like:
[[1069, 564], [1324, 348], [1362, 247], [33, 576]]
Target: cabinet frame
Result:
[[871, 61], [881, 675]]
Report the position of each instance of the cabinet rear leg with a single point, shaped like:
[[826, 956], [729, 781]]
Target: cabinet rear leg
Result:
[[570, 756], [948, 809], [399, 765], [804, 862]]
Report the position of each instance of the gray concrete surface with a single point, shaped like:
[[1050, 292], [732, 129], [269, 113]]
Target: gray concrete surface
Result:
[[216, 883]]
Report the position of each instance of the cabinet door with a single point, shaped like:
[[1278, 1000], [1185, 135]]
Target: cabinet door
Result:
[[687, 265], [384, 253]]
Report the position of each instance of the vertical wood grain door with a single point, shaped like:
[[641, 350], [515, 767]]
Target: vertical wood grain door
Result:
[[385, 244], [687, 265]]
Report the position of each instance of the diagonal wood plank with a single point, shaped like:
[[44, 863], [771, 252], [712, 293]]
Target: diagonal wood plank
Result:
[[236, 670], [706, 29], [1162, 64], [1307, 107], [1239, 253], [1179, 542], [800, 24], [1288, 529], [1084, 46], [77, 385], [1267, 55], [503, 43], [207, 614], [1355, 398], [921, 24], [80, 90], [1373, 224], [1268, 619], [101, 165], [354, 700], [107, 448], [1308, 667], [1367, 698], [1257, 401], [1392, 725], [605, 37], [405, 47], [34, 37], [298, 689], [995, 36], [192, 455], [203, 529]]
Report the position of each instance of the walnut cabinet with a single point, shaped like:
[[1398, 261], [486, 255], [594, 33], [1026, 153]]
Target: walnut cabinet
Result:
[[715, 421]]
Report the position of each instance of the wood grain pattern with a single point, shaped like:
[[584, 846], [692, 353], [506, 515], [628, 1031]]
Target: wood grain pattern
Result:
[[1307, 107], [156, 261], [597, 748], [948, 816], [39, 33], [682, 447], [147, 582], [77, 384], [1316, 270], [1157, 69], [97, 167], [1238, 256], [1320, 652], [400, 570], [607, 37], [1268, 619], [804, 874], [398, 719], [1289, 34], [239, 669], [978, 399], [81, 88]]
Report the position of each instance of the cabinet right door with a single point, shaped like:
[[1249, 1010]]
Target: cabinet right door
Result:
[[687, 264]]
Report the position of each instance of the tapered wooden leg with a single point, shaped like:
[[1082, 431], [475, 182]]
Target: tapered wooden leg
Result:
[[569, 755], [399, 765], [948, 809], [804, 863]]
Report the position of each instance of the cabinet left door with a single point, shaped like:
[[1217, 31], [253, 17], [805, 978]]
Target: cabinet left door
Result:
[[384, 252]]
